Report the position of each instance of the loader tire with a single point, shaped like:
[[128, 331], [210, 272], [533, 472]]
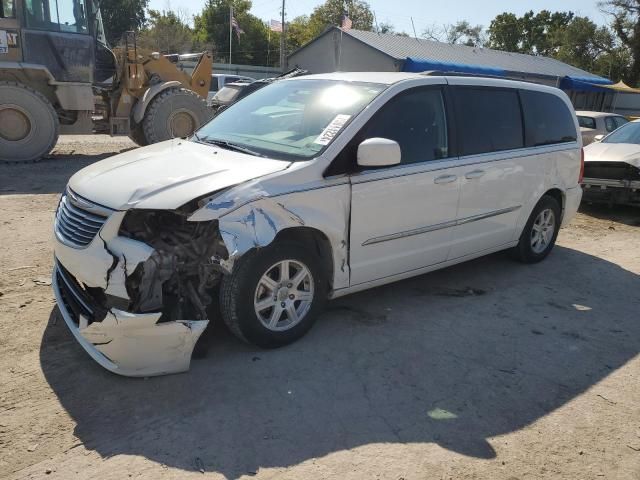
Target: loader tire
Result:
[[137, 135], [29, 125], [176, 112]]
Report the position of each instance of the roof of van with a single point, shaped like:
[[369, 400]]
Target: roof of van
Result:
[[389, 78]]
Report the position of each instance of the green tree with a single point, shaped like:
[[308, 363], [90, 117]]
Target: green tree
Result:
[[331, 12], [120, 16], [212, 31], [167, 32], [626, 25], [505, 33]]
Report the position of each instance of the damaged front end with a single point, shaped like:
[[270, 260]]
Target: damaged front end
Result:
[[139, 293], [611, 183]]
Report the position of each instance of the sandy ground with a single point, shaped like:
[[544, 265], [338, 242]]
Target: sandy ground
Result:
[[491, 369]]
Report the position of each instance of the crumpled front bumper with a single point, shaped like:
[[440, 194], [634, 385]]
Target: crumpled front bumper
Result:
[[128, 344]]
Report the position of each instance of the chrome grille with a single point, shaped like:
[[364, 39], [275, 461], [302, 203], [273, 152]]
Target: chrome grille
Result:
[[78, 220]]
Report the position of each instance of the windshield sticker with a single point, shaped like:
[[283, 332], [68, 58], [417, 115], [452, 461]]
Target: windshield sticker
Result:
[[332, 129]]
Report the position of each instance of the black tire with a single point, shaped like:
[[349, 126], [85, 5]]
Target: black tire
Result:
[[176, 112], [524, 251], [237, 293], [29, 125], [137, 135]]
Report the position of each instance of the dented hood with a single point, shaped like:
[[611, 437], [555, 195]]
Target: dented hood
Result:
[[613, 152], [167, 175]]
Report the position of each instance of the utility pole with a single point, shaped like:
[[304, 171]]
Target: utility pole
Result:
[[230, 30], [283, 54]]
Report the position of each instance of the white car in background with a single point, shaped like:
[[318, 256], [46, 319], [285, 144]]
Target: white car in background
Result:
[[598, 124], [219, 80], [612, 167], [310, 188]]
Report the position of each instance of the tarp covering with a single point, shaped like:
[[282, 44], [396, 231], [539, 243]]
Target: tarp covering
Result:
[[584, 84], [622, 87], [588, 84], [421, 65]]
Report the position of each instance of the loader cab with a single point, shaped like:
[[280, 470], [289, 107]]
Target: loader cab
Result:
[[64, 36]]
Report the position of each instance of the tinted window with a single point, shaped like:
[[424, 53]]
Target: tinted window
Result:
[[609, 124], [587, 122], [7, 9], [61, 15], [547, 119], [416, 120], [489, 120]]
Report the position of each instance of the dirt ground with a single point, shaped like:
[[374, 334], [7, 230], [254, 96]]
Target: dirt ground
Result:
[[487, 370]]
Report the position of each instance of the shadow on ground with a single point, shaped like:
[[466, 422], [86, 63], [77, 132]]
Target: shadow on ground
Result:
[[616, 213], [453, 357], [49, 175]]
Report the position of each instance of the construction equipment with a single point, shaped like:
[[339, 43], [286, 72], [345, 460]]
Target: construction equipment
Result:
[[59, 76]]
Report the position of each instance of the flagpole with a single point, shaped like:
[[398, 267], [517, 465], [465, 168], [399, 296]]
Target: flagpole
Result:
[[230, 30], [282, 41]]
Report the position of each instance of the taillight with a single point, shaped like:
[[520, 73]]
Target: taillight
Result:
[[581, 176]]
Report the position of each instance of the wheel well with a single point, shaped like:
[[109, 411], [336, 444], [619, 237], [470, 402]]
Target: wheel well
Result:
[[311, 238], [558, 196]]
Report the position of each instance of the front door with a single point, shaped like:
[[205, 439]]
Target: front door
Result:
[[402, 216]]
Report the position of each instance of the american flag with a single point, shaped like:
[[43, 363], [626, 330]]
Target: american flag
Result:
[[346, 23], [275, 26], [236, 27]]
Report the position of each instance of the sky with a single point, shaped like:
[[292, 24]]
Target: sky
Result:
[[425, 13]]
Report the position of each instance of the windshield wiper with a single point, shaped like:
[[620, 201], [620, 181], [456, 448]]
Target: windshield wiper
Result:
[[229, 146]]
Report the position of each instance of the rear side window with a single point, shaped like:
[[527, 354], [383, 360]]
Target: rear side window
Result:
[[609, 124], [489, 119], [547, 119], [619, 121], [587, 122]]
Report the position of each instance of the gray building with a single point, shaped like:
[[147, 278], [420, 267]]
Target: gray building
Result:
[[357, 50]]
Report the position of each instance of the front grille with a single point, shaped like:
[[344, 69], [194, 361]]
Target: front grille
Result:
[[75, 299], [77, 221]]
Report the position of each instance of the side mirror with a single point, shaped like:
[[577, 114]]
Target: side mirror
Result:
[[378, 152], [598, 138]]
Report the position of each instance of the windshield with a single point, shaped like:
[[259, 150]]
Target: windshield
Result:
[[292, 119], [629, 133]]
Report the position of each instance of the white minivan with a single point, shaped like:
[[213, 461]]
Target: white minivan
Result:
[[308, 189]]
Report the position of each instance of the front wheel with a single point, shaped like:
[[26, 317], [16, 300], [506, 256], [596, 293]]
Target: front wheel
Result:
[[274, 295], [540, 232]]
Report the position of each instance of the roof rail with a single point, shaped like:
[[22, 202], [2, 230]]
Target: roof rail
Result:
[[442, 73]]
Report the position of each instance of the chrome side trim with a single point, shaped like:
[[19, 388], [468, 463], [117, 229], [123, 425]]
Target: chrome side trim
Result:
[[440, 226], [409, 233]]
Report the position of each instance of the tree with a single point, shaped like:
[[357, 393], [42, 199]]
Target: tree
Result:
[[461, 32], [626, 25], [505, 33], [119, 16], [331, 12], [211, 28], [167, 32]]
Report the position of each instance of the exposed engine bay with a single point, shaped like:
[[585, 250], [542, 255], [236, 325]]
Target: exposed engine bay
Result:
[[180, 276]]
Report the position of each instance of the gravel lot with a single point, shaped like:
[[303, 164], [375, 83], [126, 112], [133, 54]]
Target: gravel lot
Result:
[[490, 369]]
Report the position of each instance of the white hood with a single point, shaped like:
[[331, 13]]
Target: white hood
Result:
[[613, 152], [167, 175]]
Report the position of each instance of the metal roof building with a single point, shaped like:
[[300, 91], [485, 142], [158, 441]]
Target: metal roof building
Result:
[[357, 50]]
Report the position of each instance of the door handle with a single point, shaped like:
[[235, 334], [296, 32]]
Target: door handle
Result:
[[445, 179], [474, 174]]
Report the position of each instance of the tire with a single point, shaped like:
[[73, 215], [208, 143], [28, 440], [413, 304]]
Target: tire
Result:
[[29, 125], [537, 238], [176, 112], [239, 290], [137, 135]]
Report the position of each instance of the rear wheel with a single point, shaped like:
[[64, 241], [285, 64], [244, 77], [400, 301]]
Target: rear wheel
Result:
[[29, 125], [540, 232], [174, 113]]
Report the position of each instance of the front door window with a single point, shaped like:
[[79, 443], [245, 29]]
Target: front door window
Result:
[[57, 15]]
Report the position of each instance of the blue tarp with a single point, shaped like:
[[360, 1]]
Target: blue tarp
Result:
[[566, 83]]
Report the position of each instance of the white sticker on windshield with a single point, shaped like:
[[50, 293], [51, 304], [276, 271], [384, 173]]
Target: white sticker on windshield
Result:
[[332, 129]]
